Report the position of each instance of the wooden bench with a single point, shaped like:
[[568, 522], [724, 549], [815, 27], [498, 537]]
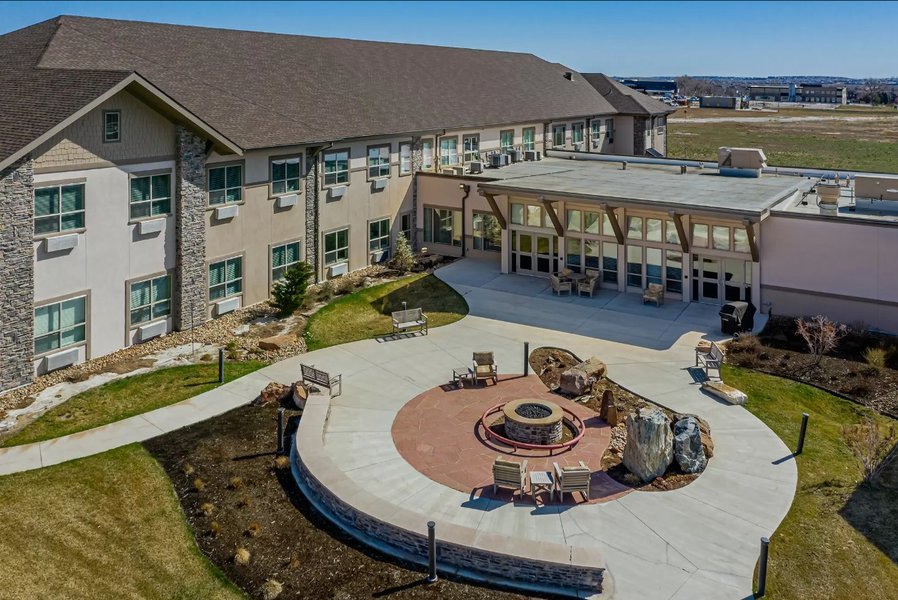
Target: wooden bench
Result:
[[323, 379], [411, 318], [712, 359]]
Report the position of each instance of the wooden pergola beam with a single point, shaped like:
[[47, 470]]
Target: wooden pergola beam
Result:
[[681, 231], [752, 242], [553, 216], [491, 200], [615, 224]]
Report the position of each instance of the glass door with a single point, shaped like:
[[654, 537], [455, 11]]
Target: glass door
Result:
[[533, 254], [706, 279], [544, 255]]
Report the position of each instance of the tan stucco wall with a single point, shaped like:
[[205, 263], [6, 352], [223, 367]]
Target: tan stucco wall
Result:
[[489, 137], [145, 134], [444, 192]]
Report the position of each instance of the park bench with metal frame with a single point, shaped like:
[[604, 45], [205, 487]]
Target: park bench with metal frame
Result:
[[323, 379]]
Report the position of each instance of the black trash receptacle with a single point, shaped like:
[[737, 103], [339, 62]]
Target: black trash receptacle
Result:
[[736, 317]]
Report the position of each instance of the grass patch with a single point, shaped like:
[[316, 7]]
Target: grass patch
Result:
[[125, 398], [107, 526], [366, 313], [859, 145], [840, 539]]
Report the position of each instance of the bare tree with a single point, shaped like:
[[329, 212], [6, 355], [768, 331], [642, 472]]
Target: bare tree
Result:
[[821, 335], [871, 447]]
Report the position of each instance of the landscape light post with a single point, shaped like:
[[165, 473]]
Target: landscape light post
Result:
[[526, 358], [802, 432], [762, 568], [431, 552], [280, 431], [221, 365]]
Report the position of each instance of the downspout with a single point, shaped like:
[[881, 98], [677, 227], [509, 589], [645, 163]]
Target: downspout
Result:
[[467, 190], [315, 221]]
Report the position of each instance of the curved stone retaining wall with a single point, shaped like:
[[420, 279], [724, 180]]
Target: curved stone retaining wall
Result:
[[402, 532]]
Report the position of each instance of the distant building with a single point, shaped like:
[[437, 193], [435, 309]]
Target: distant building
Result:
[[720, 102], [809, 93], [652, 87]]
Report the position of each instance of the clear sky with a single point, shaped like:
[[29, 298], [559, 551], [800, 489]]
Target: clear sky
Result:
[[850, 39]]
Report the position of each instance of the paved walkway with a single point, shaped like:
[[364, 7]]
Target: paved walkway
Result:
[[697, 542]]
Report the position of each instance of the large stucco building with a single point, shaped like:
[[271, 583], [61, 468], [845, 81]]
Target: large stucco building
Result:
[[153, 177]]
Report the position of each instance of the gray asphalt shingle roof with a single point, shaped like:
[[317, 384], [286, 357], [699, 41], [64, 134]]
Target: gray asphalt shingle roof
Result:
[[626, 100]]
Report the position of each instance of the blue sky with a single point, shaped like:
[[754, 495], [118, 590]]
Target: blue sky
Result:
[[853, 39]]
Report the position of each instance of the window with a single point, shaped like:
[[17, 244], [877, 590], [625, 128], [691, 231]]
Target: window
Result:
[[517, 214], [672, 234], [596, 133], [592, 254], [336, 247], [653, 272], [634, 228], [528, 140], [674, 272], [487, 233], [336, 167], [378, 161], [285, 174], [150, 299], [379, 235], [506, 141], [282, 258], [607, 228], [448, 151], [225, 184], [534, 216], [699, 235], [721, 237], [59, 325], [574, 220], [226, 278], [442, 226], [405, 226], [112, 126], [609, 128], [470, 147], [740, 240], [150, 195], [572, 251], [653, 230], [558, 135], [427, 154], [609, 262], [634, 266], [405, 158], [58, 208], [591, 222], [577, 133]]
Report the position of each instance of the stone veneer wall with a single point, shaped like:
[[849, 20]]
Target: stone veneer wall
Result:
[[639, 129], [16, 274], [477, 563], [312, 187], [190, 290], [417, 161]]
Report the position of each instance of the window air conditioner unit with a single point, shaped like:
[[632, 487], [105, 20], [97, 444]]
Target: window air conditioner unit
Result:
[[148, 332], [338, 191], [380, 184], [62, 359], [223, 213], [578, 146], [150, 226], [225, 306], [287, 201], [337, 270], [61, 242]]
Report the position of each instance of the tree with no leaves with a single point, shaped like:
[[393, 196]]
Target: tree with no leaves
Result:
[[821, 335]]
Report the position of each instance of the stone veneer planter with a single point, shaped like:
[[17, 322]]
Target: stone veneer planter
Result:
[[401, 532], [542, 426]]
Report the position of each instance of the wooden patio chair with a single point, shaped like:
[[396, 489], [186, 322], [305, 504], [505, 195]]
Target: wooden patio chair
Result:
[[485, 367], [509, 474], [572, 479], [559, 286]]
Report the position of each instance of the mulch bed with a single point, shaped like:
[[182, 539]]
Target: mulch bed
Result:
[[294, 544], [778, 350]]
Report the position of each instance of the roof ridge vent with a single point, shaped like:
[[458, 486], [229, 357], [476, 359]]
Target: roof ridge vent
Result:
[[569, 75]]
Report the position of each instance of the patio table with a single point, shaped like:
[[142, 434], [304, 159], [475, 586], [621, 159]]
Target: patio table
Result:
[[541, 481], [460, 376]]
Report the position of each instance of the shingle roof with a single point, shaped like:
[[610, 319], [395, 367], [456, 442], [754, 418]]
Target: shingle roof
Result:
[[265, 90], [33, 101], [625, 99]]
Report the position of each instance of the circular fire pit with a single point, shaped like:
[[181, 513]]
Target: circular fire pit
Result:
[[533, 421]]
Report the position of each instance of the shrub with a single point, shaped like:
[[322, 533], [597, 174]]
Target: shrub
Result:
[[207, 508], [234, 483], [290, 292], [404, 259], [214, 529], [231, 346], [188, 469], [254, 530], [745, 344], [326, 291], [282, 462], [245, 502], [241, 557], [858, 387], [294, 562], [199, 485], [875, 357], [821, 335], [871, 447], [207, 358], [271, 589]]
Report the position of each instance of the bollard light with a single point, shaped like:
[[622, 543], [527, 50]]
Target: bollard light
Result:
[[280, 430], [762, 568], [526, 358], [431, 552], [802, 433], [221, 365]]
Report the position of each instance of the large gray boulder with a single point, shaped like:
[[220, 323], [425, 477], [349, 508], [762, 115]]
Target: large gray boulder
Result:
[[649, 449], [688, 450], [578, 379]]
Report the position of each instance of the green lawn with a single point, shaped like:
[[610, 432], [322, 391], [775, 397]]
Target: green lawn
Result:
[[366, 313], [127, 397], [107, 526], [839, 540], [862, 146]]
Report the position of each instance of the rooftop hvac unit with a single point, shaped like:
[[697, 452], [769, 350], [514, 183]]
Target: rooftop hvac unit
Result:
[[514, 155], [475, 167], [828, 198], [532, 155], [499, 160]]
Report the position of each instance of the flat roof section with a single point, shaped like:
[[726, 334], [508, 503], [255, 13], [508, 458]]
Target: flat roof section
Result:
[[659, 185]]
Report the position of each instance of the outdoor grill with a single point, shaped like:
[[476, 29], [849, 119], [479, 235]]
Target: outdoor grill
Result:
[[736, 317]]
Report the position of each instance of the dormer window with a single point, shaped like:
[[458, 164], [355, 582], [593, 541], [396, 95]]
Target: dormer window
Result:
[[112, 126]]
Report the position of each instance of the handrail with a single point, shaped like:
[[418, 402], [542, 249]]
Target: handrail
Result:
[[492, 435]]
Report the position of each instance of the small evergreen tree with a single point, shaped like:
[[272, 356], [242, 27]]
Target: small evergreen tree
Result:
[[404, 259], [289, 293]]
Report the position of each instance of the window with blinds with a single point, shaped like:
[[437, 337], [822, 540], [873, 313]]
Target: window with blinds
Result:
[[150, 299], [150, 196], [58, 208], [226, 278], [60, 325]]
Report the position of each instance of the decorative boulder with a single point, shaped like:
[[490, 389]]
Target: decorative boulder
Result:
[[649, 449], [300, 395], [688, 450], [277, 342], [578, 380], [273, 393], [725, 392], [608, 410]]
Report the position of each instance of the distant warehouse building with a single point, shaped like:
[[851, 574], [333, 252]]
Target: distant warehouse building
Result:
[[720, 102], [808, 93], [653, 87]]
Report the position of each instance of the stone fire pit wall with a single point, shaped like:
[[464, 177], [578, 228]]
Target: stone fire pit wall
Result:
[[524, 421]]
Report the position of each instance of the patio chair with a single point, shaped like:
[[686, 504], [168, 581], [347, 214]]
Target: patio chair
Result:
[[485, 367], [592, 273], [654, 293], [559, 286], [509, 474], [587, 286], [572, 479]]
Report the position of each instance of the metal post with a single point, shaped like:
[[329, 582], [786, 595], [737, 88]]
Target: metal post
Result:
[[526, 358], [221, 365], [802, 432], [762, 568], [431, 552], [404, 304], [280, 431]]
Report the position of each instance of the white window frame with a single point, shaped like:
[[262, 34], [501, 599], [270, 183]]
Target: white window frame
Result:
[[152, 201], [427, 154], [378, 161], [449, 154], [382, 240], [555, 130], [282, 190], [151, 305], [224, 283], [59, 213], [405, 158], [470, 143], [227, 189], [337, 176], [506, 145], [528, 145], [118, 126]]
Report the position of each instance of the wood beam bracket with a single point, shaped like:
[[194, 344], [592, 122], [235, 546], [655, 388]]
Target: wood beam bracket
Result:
[[553, 216], [681, 230], [752, 241], [491, 200], [615, 224]]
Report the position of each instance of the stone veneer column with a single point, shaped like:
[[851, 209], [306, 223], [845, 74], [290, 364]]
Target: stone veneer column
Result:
[[639, 126], [16, 274], [312, 186], [417, 161], [190, 289]]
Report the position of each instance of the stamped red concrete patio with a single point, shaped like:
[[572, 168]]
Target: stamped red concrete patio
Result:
[[438, 433]]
